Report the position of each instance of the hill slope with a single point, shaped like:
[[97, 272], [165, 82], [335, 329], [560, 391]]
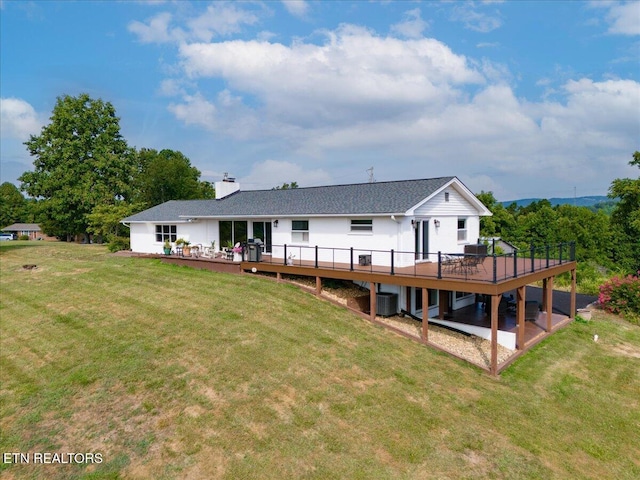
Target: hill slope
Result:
[[577, 201]]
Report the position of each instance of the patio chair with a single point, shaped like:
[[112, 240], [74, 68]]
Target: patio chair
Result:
[[450, 263]]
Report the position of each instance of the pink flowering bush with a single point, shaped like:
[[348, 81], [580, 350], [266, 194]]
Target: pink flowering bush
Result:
[[622, 297]]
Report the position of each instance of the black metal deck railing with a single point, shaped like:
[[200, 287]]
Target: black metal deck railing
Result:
[[441, 265]]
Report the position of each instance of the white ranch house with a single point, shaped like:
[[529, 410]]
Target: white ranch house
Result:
[[412, 243], [414, 219]]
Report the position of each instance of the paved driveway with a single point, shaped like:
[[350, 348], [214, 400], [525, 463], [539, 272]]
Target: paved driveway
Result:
[[561, 300]]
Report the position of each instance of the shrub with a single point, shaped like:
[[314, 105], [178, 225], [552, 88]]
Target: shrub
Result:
[[621, 295], [119, 243], [23, 237], [589, 277]]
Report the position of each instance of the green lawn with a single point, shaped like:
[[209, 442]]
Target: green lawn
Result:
[[170, 372]]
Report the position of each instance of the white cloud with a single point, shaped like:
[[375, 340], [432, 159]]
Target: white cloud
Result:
[[219, 19], [624, 18], [352, 77], [297, 8], [156, 30], [18, 119], [171, 87], [412, 26], [473, 19], [196, 110]]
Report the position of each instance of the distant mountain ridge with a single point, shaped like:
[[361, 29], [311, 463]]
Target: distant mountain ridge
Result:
[[577, 201]]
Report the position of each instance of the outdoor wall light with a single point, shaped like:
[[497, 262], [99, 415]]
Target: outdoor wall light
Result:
[[436, 222], [414, 224], [275, 223]]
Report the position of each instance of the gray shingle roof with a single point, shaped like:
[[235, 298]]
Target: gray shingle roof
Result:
[[355, 199], [23, 227]]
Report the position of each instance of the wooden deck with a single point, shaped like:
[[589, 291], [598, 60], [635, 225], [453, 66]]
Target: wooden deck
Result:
[[495, 275]]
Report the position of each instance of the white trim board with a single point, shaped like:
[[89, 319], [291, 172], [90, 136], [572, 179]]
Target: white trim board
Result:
[[506, 339]]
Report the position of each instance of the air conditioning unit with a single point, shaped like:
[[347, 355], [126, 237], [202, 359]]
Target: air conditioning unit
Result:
[[386, 304]]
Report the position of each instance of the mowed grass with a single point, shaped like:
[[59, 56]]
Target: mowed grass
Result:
[[171, 372]]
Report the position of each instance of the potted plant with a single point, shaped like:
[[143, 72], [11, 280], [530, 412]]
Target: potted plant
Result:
[[167, 247], [186, 249]]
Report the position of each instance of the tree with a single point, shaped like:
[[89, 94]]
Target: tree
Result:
[[625, 220], [501, 223], [168, 175], [13, 206], [286, 186], [104, 220], [81, 161], [590, 230]]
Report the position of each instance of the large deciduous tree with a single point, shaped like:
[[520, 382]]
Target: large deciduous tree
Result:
[[81, 161], [168, 175], [625, 220], [13, 205]]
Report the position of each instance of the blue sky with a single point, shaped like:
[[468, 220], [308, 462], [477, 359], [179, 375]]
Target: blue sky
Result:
[[521, 98]]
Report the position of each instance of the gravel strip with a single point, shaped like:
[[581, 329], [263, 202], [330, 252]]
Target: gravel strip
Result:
[[470, 347]]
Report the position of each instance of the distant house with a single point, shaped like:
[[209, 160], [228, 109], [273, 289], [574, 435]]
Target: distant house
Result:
[[32, 230], [497, 243]]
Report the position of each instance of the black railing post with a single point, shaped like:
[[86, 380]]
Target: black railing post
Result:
[[560, 252], [532, 254], [392, 263], [352, 259], [547, 253], [316, 256], [439, 264], [493, 246], [572, 250], [285, 253], [495, 268], [515, 263]]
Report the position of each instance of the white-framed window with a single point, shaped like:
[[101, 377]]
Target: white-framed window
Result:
[[462, 229], [300, 231], [166, 232], [362, 225]]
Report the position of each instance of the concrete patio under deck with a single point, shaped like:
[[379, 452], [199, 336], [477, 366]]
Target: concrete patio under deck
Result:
[[476, 316]]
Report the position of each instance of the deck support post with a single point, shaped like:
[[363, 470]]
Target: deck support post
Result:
[[408, 300], [443, 303], [495, 301], [372, 300], [278, 277], [549, 303], [572, 301], [544, 294], [425, 314], [318, 285], [520, 321]]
